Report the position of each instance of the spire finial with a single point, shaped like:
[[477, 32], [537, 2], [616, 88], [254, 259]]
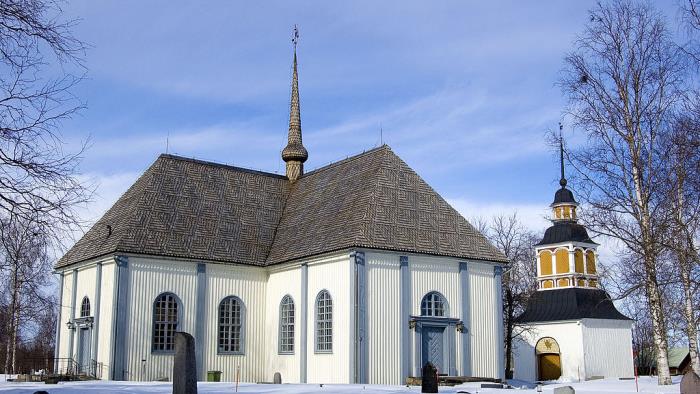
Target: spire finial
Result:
[[562, 181], [294, 154]]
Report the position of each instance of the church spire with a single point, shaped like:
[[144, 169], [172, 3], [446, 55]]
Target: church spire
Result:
[[562, 180], [294, 154], [564, 204]]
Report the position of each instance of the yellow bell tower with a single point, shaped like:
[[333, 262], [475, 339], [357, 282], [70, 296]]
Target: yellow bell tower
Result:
[[566, 255]]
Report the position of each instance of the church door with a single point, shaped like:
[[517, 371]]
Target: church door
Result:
[[550, 367], [433, 347], [84, 349]]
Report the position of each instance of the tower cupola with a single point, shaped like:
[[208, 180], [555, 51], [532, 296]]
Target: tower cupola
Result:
[[566, 255]]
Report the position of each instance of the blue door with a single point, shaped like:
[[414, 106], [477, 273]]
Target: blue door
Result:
[[433, 347], [84, 350]]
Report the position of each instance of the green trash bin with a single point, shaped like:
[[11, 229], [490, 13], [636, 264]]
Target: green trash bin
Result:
[[213, 376]]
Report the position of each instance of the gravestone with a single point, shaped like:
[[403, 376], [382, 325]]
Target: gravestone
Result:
[[690, 384], [185, 365], [564, 390], [429, 382], [277, 379]]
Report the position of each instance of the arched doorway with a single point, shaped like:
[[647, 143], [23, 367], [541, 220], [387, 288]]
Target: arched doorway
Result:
[[548, 359]]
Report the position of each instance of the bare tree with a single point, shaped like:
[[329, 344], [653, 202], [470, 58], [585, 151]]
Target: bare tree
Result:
[[683, 192], [623, 80], [37, 176], [520, 277], [24, 249]]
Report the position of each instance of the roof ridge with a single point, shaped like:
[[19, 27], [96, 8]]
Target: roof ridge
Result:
[[221, 165], [347, 159]]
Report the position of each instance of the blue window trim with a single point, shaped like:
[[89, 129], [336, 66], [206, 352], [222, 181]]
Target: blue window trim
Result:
[[316, 349], [279, 325], [241, 351], [153, 321], [446, 305]]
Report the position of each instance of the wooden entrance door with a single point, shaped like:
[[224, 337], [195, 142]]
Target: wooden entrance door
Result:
[[84, 349], [549, 367], [434, 347]]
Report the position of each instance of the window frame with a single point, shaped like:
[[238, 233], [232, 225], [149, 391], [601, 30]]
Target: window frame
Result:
[[317, 350], [241, 334], [82, 307], [178, 316], [443, 299], [281, 332]]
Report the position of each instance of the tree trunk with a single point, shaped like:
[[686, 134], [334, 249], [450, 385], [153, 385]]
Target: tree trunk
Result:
[[12, 332], [509, 333], [658, 325], [689, 313]]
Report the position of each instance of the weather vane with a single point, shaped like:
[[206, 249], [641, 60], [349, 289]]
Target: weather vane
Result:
[[295, 37]]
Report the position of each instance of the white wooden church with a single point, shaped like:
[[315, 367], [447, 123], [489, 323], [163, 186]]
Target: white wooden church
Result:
[[356, 272]]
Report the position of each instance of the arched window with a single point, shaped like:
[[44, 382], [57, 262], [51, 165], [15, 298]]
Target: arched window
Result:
[[85, 307], [286, 335], [165, 322], [324, 322], [433, 304], [231, 325]]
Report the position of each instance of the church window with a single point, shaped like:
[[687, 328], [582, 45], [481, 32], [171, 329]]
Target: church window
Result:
[[324, 322], [433, 304], [231, 324], [286, 335], [165, 322], [85, 307]]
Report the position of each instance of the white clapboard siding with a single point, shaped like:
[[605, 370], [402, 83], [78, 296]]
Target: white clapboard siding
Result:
[[568, 336], [607, 347], [384, 318], [484, 321], [249, 284], [63, 347], [148, 279], [104, 343], [333, 274], [281, 282]]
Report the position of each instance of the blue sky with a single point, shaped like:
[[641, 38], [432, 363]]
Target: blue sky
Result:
[[463, 91]]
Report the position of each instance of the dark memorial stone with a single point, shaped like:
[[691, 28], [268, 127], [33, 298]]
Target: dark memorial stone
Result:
[[277, 379], [690, 384], [185, 365], [429, 381]]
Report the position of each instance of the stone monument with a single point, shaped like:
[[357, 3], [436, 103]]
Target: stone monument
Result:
[[185, 365], [429, 381]]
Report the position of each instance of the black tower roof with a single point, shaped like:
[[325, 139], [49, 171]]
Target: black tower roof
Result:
[[565, 231], [570, 304]]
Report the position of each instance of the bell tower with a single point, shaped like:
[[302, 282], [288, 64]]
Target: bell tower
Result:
[[566, 255]]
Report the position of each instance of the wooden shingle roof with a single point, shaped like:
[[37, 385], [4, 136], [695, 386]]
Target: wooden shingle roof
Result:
[[205, 211]]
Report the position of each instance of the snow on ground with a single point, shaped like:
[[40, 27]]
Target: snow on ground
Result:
[[647, 385]]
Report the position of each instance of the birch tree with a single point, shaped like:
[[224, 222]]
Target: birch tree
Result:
[[23, 248], [623, 80], [683, 192]]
